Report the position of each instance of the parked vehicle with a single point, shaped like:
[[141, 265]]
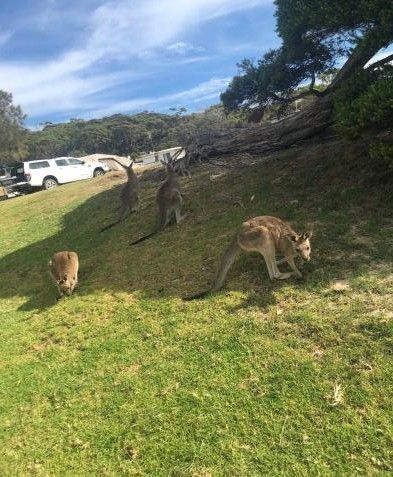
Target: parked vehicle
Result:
[[49, 173], [12, 181]]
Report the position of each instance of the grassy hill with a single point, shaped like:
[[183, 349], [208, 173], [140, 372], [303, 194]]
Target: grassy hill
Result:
[[264, 378]]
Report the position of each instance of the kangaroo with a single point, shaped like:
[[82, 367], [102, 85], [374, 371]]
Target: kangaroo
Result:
[[169, 201], [182, 167], [269, 236], [63, 268], [129, 196]]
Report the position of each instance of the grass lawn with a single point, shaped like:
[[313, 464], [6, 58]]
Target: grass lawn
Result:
[[264, 378]]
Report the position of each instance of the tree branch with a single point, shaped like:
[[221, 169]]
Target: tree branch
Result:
[[363, 52], [301, 95], [382, 62], [312, 81]]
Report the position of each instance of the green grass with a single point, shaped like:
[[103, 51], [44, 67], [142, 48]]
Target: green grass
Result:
[[126, 379]]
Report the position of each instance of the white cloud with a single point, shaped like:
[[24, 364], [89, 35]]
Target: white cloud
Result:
[[117, 31], [182, 48], [202, 92], [125, 27]]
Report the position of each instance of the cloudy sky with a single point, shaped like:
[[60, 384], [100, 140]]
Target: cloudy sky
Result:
[[64, 59]]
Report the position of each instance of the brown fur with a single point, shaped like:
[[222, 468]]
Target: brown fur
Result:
[[269, 236], [63, 268]]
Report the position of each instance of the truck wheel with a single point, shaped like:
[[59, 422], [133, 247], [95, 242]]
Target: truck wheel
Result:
[[49, 183]]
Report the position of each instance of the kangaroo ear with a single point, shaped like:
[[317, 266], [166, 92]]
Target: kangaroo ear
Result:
[[291, 238], [307, 235]]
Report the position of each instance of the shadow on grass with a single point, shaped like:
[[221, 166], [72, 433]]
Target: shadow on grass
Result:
[[158, 268], [171, 263]]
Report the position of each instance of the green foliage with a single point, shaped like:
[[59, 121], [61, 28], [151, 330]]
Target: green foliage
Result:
[[336, 23], [364, 101], [118, 134], [126, 135], [276, 75], [202, 128], [11, 129], [315, 35], [382, 152]]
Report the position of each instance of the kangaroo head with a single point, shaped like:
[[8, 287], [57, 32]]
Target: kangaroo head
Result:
[[301, 244], [66, 285], [170, 169]]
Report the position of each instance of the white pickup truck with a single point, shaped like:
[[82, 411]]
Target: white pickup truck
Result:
[[48, 173]]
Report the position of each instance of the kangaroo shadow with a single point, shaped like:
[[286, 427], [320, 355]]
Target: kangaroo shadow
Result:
[[24, 272], [108, 262]]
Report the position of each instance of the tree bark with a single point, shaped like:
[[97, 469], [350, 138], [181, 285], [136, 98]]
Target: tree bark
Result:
[[374, 40], [311, 121]]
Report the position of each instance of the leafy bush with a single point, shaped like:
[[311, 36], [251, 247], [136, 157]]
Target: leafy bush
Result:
[[382, 151], [364, 101]]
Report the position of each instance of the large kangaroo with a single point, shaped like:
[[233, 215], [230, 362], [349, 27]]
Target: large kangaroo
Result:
[[129, 196], [63, 268], [269, 236], [169, 202]]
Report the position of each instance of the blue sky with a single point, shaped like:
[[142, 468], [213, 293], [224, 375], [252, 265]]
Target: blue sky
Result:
[[65, 59]]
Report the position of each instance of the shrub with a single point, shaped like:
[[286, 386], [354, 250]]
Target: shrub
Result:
[[365, 101]]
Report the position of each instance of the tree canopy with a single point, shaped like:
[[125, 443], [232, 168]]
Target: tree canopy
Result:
[[316, 37], [126, 134], [11, 129]]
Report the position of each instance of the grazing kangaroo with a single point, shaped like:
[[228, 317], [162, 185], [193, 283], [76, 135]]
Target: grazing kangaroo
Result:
[[63, 268], [169, 202], [129, 196], [269, 236]]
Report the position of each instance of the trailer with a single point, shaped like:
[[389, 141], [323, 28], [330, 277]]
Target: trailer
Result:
[[161, 156]]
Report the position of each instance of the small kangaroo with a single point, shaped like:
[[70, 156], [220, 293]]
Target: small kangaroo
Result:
[[269, 236], [169, 202], [63, 268], [129, 196]]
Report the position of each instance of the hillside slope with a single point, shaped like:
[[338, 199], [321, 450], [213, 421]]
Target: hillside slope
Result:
[[263, 378]]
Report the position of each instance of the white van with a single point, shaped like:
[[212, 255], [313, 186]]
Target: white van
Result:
[[48, 173]]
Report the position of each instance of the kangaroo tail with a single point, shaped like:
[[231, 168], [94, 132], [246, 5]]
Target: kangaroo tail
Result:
[[225, 264], [109, 226], [227, 260], [197, 295], [144, 238], [161, 226]]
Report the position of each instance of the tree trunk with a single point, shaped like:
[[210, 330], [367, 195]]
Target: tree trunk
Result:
[[280, 135]]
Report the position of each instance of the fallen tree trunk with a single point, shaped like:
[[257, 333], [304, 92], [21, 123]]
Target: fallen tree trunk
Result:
[[280, 135]]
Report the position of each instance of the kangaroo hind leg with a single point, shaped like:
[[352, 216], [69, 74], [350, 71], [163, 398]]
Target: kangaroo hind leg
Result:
[[178, 215], [268, 252], [291, 263]]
